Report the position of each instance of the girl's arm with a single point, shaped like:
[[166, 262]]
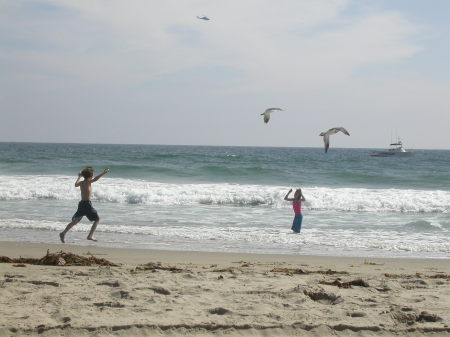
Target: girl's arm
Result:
[[286, 196], [302, 197]]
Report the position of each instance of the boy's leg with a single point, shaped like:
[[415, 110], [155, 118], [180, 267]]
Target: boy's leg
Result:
[[93, 216], [93, 228], [68, 227]]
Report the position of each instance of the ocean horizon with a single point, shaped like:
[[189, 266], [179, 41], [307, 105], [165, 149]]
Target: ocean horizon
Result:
[[221, 145]]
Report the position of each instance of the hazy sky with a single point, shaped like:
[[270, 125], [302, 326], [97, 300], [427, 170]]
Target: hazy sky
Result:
[[150, 72]]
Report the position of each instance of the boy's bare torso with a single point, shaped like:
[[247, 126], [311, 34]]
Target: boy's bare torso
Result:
[[86, 189]]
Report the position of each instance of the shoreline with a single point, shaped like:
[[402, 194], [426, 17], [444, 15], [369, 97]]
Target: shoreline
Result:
[[142, 255], [179, 293]]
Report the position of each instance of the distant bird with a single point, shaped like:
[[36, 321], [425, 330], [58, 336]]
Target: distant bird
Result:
[[326, 136], [203, 18], [268, 112]]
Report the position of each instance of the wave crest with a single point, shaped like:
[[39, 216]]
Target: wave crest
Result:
[[153, 193]]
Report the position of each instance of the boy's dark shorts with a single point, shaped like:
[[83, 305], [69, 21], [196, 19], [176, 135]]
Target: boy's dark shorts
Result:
[[85, 209]]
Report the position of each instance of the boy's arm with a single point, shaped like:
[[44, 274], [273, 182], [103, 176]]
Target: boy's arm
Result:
[[286, 196], [106, 170], [78, 183]]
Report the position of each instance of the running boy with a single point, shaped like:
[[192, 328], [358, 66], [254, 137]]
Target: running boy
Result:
[[297, 206], [85, 206]]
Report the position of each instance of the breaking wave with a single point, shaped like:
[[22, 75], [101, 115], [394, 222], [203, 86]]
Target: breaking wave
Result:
[[133, 191]]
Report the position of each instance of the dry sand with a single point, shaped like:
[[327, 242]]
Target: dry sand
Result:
[[166, 293]]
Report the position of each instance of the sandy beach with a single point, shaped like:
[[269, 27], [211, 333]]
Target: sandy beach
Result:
[[175, 293]]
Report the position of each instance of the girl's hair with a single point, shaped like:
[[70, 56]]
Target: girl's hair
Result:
[[88, 172], [297, 194]]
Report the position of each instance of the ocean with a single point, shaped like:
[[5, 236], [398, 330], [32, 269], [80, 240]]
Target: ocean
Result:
[[230, 199]]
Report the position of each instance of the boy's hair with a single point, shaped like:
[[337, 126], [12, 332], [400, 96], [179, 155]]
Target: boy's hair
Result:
[[88, 172]]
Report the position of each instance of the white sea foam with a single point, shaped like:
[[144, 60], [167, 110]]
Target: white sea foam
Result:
[[253, 239], [128, 191]]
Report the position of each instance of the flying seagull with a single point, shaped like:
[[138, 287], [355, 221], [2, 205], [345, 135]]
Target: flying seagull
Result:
[[326, 135], [203, 18], [268, 112]]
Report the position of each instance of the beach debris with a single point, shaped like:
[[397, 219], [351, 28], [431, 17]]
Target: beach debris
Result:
[[157, 266], [289, 271], [357, 314], [14, 276], [428, 317], [81, 274], [21, 265], [292, 271], [48, 283], [244, 263], [372, 263], [338, 283], [160, 290], [383, 289], [418, 275], [6, 259], [109, 304], [224, 270], [60, 259], [407, 309], [114, 284], [122, 294], [219, 311], [323, 297], [440, 276]]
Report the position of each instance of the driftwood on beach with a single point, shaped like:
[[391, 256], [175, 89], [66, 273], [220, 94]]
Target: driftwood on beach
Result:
[[60, 259]]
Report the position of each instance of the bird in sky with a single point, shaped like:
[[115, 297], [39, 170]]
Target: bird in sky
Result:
[[326, 135], [203, 18], [268, 112]]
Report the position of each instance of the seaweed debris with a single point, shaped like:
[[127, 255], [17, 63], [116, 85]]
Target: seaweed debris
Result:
[[157, 266], [60, 259], [291, 271], [338, 283]]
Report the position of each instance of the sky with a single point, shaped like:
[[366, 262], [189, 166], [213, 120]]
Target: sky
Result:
[[150, 72]]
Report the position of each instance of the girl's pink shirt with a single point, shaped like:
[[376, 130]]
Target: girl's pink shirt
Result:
[[297, 206]]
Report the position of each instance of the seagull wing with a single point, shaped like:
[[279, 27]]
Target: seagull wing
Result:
[[332, 131], [266, 116], [343, 130], [326, 142], [273, 109]]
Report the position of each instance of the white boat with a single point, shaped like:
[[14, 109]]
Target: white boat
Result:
[[396, 150]]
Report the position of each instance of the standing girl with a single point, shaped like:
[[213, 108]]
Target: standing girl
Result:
[[297, 206]]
